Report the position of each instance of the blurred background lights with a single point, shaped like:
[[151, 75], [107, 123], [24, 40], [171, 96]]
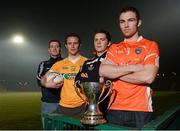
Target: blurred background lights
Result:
[[18, 39]]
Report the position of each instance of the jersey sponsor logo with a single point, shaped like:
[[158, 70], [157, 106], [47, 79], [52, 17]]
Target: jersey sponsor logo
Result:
[[69, 76], [137, 60], [65, 67], [119, 52], [73, 68]]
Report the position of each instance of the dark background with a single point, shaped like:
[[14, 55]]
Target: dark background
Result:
[[40, 21]]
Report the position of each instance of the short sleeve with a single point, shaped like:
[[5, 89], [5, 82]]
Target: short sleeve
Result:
[[111, 54], [55, 67], [152, 56]]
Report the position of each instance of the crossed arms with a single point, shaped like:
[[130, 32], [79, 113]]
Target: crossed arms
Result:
[[135, 74]]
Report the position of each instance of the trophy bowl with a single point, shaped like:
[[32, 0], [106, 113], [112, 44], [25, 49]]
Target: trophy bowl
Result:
[[93, 92]]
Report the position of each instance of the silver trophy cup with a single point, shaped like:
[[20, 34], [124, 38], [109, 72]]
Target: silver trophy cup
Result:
[[93, 92]]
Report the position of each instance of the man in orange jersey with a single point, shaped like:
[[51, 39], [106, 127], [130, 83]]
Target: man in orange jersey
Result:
[[70, 103], [132, 65]]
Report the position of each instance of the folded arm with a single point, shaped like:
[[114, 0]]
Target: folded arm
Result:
[[136, 74], [145, 76], [113, 71]]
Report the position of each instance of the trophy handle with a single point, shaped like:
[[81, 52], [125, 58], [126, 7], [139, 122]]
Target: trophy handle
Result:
[[108, 84], [78, 87]]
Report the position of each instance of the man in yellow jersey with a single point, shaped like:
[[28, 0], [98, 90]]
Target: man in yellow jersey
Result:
[[132, 65], [70, 104]]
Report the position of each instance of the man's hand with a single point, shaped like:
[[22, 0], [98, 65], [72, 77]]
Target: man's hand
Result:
[[84, 75], [101, 79], [50, 83]]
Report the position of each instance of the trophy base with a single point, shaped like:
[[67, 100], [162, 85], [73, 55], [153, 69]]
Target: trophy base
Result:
[[92, 120]]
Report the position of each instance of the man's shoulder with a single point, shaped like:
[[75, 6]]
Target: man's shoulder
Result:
[[42, 63], [91, 59], [61, 61], [148, 42], [149, 45], [45, 61], [116, 45], [84, 58]]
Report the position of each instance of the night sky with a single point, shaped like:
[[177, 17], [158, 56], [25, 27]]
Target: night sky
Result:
[[38, 22]]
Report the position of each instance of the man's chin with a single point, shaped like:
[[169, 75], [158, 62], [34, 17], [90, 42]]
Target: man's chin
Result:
[[55, 55]]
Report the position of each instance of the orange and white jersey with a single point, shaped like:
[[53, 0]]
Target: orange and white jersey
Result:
[[129, 96]]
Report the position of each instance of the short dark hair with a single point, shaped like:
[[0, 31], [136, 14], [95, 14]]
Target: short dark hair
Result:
[[54, 41], [133, 9], [108, 36], [73, 35]]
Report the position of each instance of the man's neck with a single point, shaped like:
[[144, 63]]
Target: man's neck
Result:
[[54, 56], [133, 38], [100, 53], [74, 58]]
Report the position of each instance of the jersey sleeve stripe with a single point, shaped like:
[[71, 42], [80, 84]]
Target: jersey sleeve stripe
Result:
[[41, 67], [150, 55]]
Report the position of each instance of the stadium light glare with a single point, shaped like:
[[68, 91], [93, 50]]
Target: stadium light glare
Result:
[[18, 39]]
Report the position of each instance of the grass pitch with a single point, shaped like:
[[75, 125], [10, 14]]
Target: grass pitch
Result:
[[165, 100], [21, 110]]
